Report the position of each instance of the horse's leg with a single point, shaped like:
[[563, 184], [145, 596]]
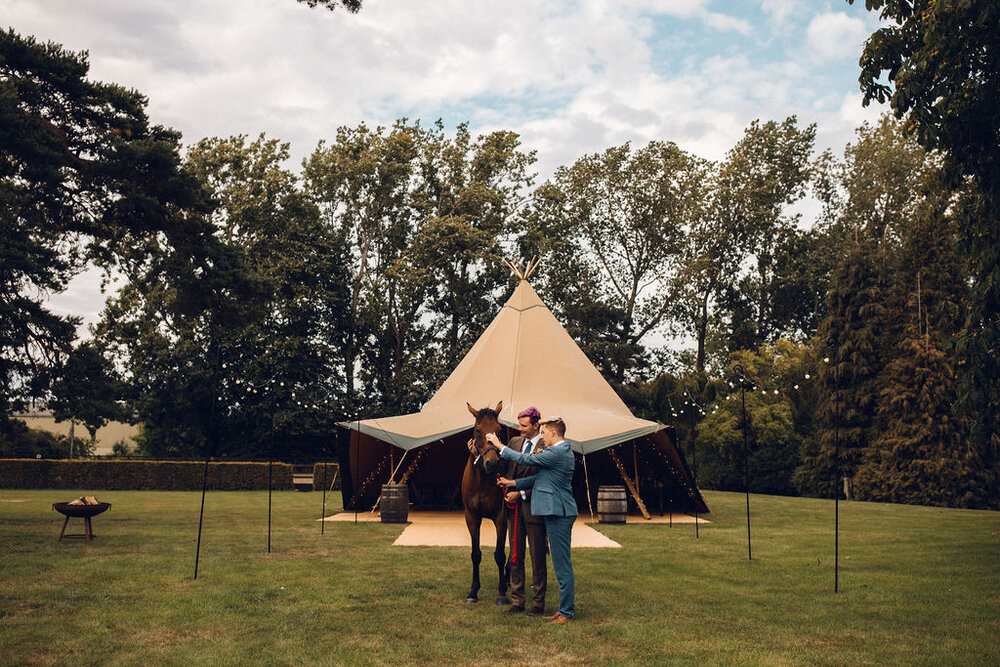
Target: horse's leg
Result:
[[473, 523], [500, 556]]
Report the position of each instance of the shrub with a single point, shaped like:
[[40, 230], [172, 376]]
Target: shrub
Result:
[[123, 474]]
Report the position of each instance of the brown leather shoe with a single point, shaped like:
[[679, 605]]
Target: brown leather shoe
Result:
[[535, 611], [514, 610], [552, 617], [560, 619]]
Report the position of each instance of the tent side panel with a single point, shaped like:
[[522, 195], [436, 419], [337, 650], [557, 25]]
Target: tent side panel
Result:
[[664, 444], [369, 465], [664, 482], [433, 472]]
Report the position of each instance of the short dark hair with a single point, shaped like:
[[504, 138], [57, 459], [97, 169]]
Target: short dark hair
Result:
[[557, 423]]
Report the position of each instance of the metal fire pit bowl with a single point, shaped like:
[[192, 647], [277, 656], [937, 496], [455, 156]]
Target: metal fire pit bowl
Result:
[[84, 511]]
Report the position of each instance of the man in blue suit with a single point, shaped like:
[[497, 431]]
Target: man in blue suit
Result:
[[552, 499]]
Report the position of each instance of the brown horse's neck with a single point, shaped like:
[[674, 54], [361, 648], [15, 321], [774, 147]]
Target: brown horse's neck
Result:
[[478, 470]]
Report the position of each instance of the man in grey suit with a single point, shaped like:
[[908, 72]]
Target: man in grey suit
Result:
[[551, 498], [522, 523]]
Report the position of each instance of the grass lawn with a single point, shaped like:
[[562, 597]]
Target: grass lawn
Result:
[[918, 585]]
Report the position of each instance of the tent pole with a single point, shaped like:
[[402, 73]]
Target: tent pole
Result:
[[333, 482], [586, 476], [413, 466], [628, 483], [357, 463], [392, 477], [635, 464]]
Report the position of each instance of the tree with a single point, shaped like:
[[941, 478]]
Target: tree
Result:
[[847, 399], [941, 67], [707, 256], [610, 229], [468, 194], [257, 363], [892, 196], [291, 349], [84, 179], [362, 185], [886, 178], [920, 454], [17, 441], [426, 216], [353, 6], [771, 438], [86, 388], [762, 175], [938, 65]]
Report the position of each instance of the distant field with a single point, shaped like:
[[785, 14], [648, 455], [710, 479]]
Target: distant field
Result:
[[918, 585]]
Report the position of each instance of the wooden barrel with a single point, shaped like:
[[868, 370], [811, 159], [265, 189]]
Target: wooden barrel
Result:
[[395, 503], [612, 504]]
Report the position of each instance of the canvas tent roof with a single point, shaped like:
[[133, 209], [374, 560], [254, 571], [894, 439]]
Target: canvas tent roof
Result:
[[523, 358]]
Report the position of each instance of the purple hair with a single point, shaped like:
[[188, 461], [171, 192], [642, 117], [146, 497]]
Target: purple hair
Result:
[[531, 413]]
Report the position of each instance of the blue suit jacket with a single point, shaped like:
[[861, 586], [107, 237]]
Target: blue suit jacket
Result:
[[552, 486]]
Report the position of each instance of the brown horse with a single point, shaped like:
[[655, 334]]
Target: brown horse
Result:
[[483, 499]]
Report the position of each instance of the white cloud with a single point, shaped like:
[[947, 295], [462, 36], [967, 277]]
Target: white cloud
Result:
[[782, 11], [853, 113], [836, 35], [571, 78], [689, 9]]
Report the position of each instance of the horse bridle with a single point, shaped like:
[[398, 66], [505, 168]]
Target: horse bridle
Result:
[[482, 452]]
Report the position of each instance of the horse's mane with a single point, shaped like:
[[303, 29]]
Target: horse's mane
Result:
[[487, 412]]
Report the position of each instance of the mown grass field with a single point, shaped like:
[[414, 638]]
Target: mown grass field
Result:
[[918, 585]]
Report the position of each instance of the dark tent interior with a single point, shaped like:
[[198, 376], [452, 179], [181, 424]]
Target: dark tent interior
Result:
[[433, 472]]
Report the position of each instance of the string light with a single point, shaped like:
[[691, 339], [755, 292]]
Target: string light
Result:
[[368, 480]]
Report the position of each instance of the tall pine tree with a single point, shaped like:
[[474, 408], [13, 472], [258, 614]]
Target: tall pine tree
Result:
[[920, 455], [848, 390]]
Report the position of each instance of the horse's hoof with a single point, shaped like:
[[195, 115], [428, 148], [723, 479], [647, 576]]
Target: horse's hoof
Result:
[[502, 600], [471, 600]]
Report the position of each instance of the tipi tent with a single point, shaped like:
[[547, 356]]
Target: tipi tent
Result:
[[523, 358]]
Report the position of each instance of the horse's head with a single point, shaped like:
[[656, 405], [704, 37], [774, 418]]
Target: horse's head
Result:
[[487, 421]]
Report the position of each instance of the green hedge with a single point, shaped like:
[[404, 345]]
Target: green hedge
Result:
[[120, 475], [332, 475]]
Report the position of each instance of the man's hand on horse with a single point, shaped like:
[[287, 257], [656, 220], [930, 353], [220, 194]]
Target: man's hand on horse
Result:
[[471, 444], [492, 439], [503, 481], [513, 496]]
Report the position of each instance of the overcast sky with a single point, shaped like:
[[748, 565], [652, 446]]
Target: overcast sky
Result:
[[571, 77]]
